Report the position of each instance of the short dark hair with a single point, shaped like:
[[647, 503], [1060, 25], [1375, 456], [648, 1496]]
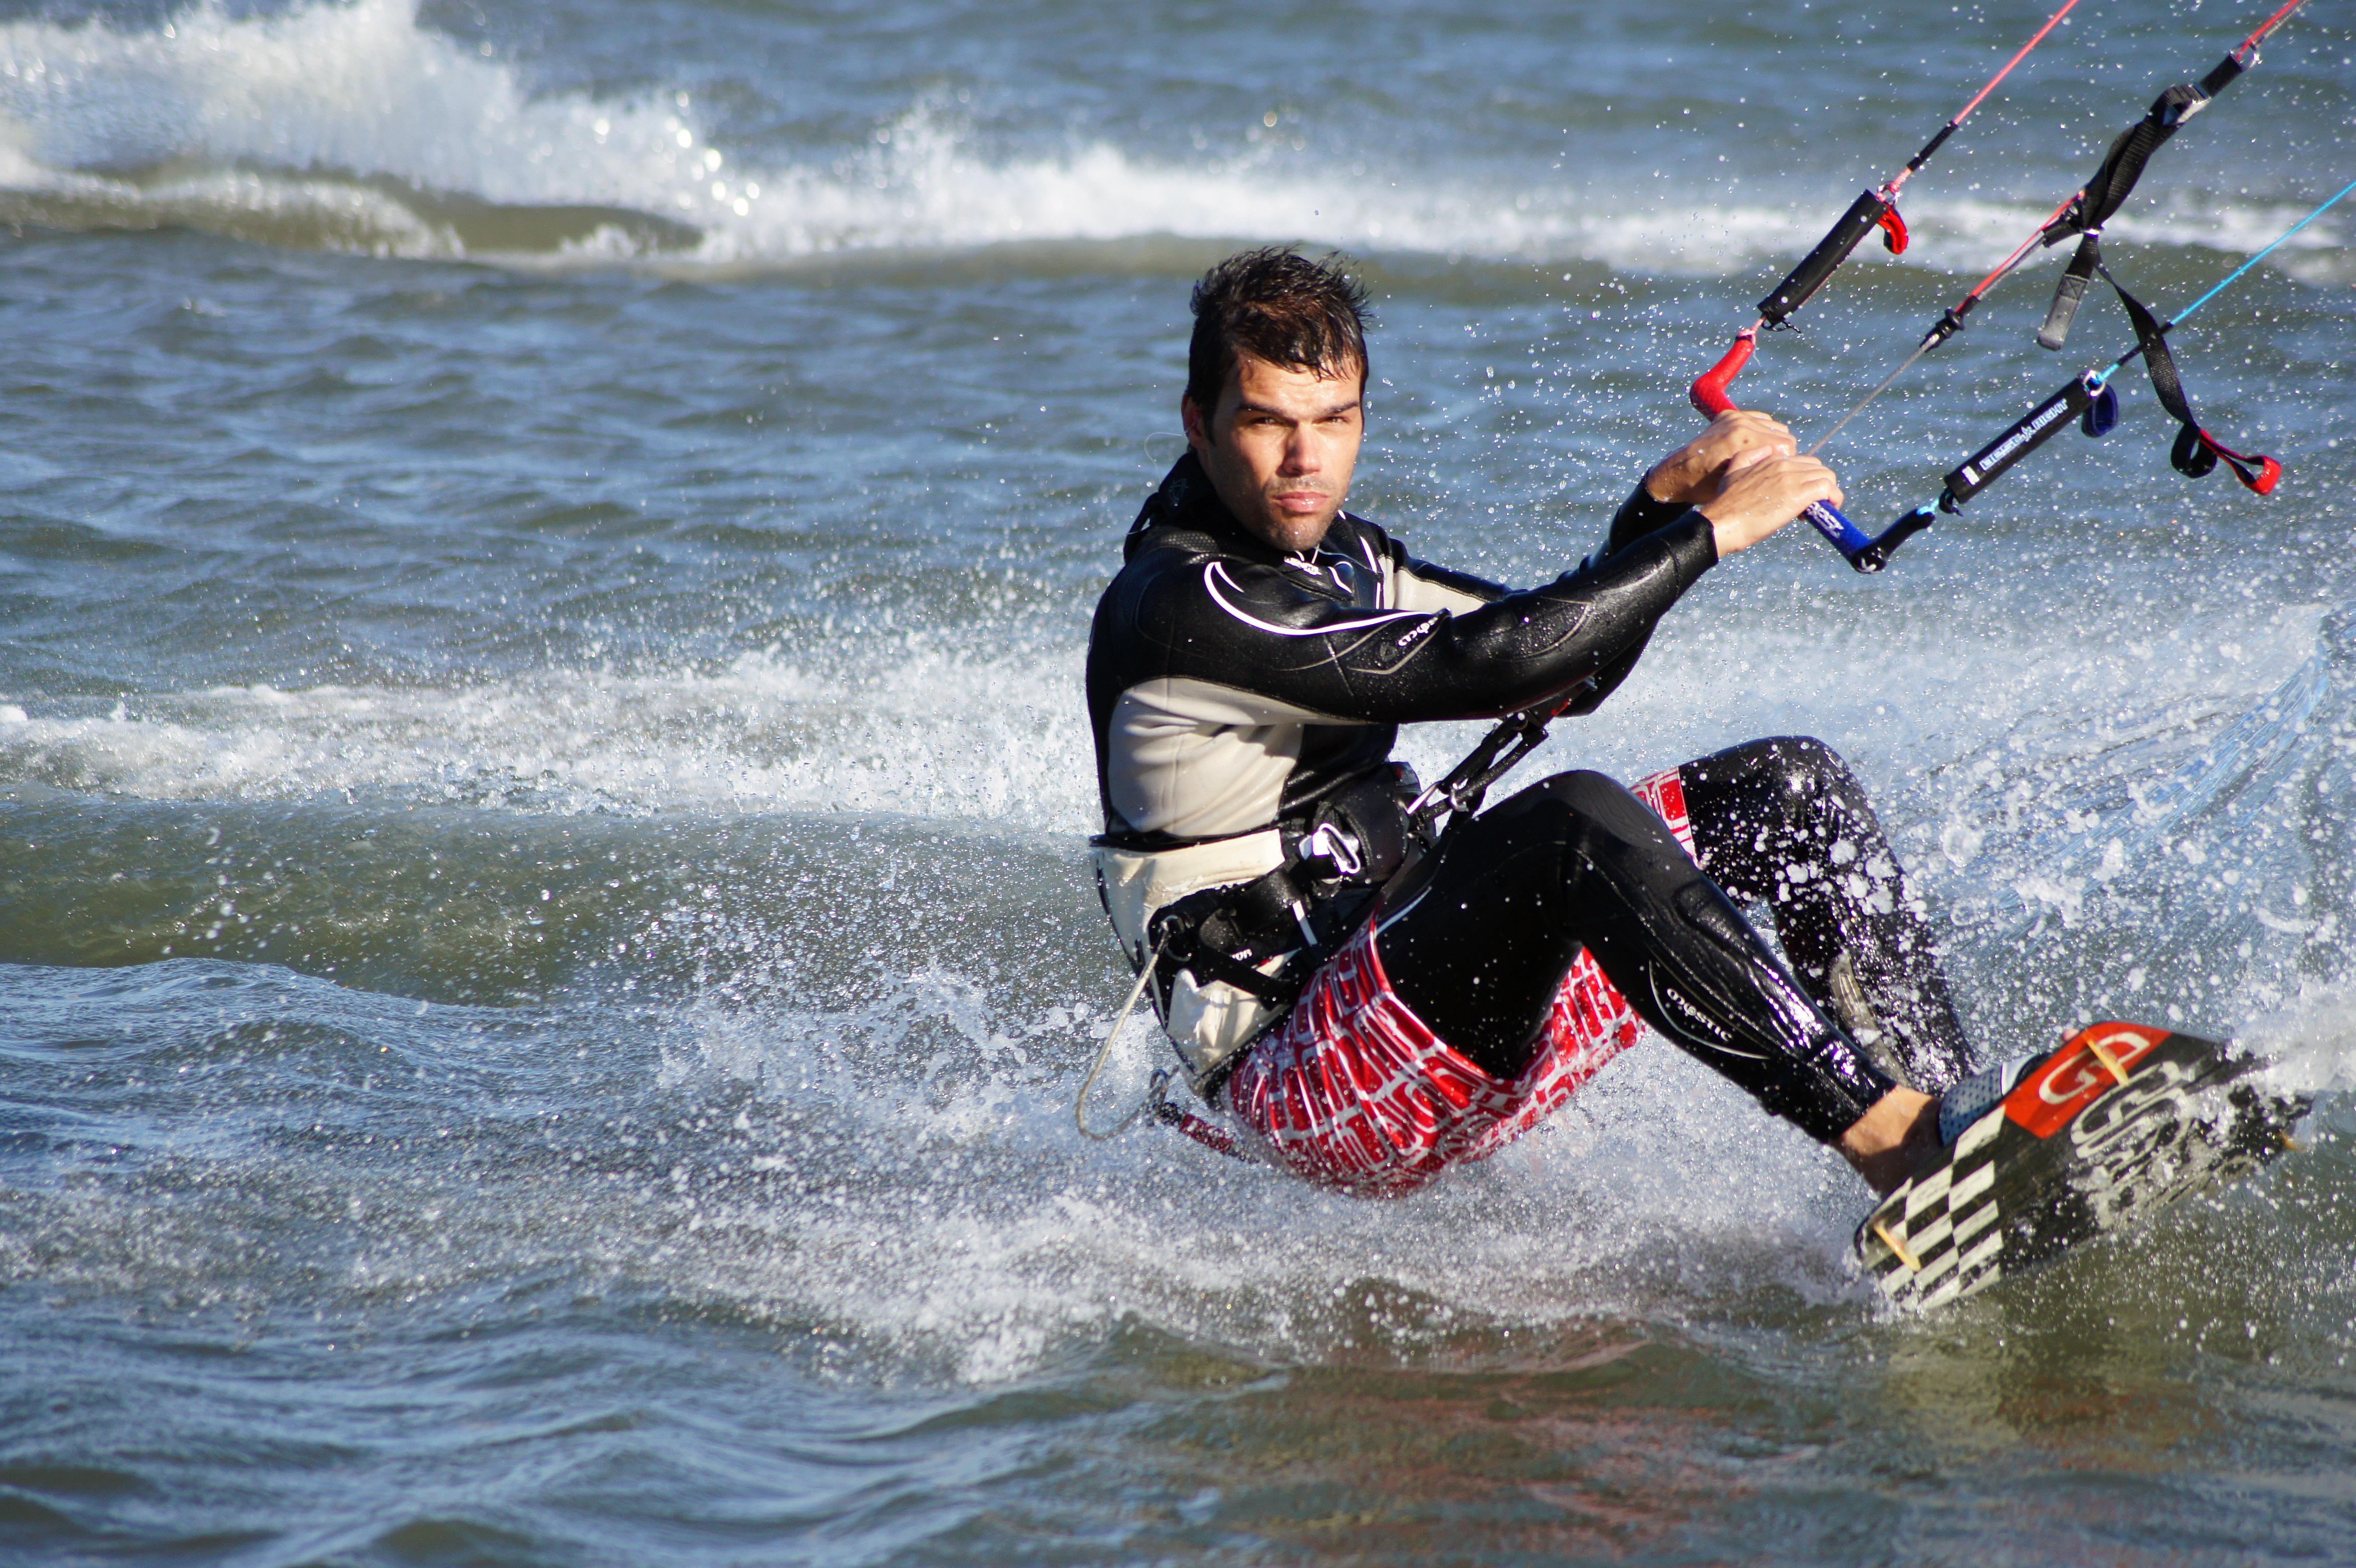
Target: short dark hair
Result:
[[1278, 305]]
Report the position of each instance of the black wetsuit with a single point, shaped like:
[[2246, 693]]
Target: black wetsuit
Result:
[[1232, 687]]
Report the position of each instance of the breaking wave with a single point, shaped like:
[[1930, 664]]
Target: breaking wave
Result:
[[353, 127], [931, 737]]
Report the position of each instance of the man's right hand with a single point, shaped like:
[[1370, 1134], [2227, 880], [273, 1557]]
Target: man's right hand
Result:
[[1762, 494]]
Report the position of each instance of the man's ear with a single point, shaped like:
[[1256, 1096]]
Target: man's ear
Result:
[[1190, 414]]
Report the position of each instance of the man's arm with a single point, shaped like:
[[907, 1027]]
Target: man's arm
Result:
[[1412, 585], [1420, 586], [1699, 474], [1639, 517], [1260, 629]]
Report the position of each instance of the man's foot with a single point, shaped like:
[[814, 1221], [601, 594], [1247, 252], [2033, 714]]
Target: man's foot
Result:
[[1905, 1128], [1889, 1142], [1973, 1098]]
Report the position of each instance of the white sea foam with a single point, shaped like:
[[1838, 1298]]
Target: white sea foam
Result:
[[1003, 741], [1019, 1235], [929, 736], [2310, 1040], [355, 127]]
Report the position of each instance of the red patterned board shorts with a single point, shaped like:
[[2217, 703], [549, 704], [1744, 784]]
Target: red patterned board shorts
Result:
[[1352, 1091]]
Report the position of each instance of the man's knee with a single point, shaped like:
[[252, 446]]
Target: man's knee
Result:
[[1799, 764], [1584, 790], [1596, 805], [1792, 769]]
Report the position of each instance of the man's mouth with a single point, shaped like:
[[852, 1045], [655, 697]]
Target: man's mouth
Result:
[[1301, 500]]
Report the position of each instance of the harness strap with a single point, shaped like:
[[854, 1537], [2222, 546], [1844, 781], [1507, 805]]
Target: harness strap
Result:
[[1210, 964]]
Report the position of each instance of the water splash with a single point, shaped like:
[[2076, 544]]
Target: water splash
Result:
[[926, 733]]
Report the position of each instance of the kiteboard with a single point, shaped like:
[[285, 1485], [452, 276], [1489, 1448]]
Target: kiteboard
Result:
[[2121, 1121]]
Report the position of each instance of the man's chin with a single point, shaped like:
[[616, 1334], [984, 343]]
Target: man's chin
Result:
[[1296, 531]]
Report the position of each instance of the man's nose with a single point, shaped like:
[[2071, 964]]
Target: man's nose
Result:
[[1300, 454]]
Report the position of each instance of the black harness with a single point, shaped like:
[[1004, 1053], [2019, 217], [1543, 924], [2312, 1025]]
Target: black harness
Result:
[[1336, 862]]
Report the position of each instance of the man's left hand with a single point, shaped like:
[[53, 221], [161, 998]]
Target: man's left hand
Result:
[[1695, 473]]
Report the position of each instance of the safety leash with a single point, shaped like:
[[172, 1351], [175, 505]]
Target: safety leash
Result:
[[1157, 1102], [1104, 1053]]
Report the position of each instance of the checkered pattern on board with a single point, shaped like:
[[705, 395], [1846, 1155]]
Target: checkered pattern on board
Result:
[[1948, 1220]]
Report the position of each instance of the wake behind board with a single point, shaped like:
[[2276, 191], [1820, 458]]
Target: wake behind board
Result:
[[2121, 1121]]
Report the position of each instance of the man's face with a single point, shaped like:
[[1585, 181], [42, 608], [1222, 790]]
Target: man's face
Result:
[[1280, 447]]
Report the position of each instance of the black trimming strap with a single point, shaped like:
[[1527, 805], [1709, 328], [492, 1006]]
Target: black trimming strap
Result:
[[2103, 195], [2071, 291], [2123, 164]]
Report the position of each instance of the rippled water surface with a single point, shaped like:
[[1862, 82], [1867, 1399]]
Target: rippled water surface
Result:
[[544, 941]]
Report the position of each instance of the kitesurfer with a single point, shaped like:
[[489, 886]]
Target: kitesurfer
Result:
[[1369, 1009]]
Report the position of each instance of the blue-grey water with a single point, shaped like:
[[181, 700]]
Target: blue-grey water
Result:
[[544, 943]]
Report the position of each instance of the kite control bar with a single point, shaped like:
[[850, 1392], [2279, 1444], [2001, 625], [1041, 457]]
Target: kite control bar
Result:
[[1875, 208], [1861, 552]]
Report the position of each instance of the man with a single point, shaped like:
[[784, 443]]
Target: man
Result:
[[1369, 1009]]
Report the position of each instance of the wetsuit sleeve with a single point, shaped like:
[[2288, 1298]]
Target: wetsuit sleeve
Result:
[[1258, 629], [1639, 517]]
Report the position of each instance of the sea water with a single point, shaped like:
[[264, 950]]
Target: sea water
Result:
[[545, 947]]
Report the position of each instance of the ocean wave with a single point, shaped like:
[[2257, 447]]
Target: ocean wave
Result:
[[930, 736], [354, 127]]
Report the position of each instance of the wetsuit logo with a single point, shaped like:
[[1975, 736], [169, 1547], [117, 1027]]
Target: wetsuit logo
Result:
[[1679, 1006]]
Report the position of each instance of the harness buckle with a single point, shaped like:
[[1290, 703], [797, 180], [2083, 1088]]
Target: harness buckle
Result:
[[1335, 847]]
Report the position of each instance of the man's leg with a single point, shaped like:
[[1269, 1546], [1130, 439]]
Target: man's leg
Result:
[[1578, 861], [1784, 823]]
